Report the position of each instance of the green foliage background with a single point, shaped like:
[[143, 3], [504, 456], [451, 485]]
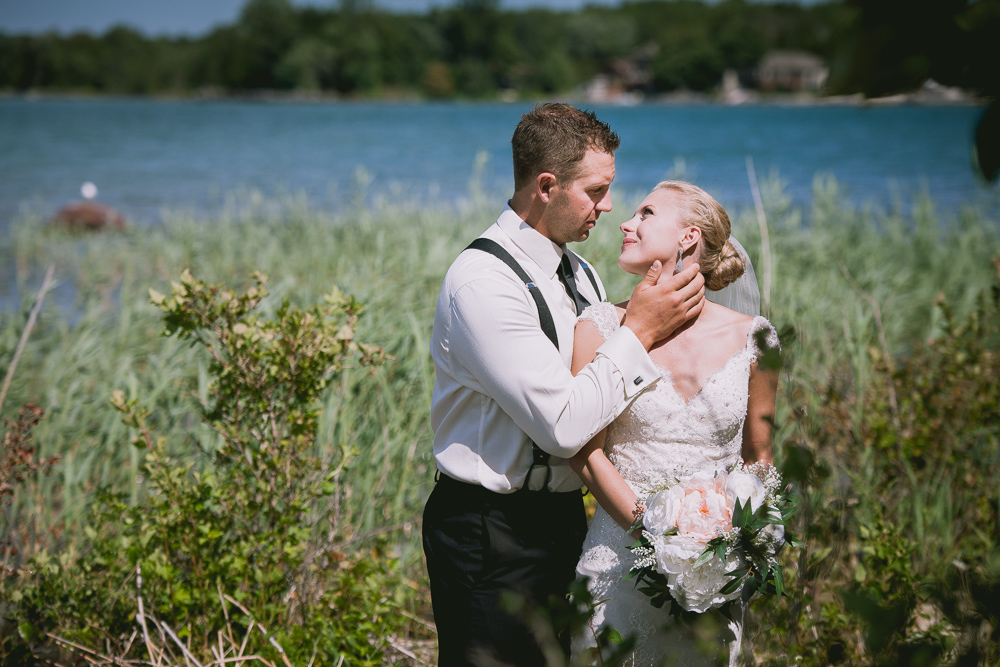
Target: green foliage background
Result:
[[472, 49], [475, 48]]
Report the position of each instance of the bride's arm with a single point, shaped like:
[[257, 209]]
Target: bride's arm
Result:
[[600, 476], [759, 425], [590, 463]]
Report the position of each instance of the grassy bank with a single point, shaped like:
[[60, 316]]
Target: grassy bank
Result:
[[864, 291]]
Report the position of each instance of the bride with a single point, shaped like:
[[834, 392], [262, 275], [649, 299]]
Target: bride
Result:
[[711, 406]]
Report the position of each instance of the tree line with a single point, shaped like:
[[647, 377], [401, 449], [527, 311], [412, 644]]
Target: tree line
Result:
[[475, 48]]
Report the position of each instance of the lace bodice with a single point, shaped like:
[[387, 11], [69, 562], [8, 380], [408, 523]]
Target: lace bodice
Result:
[[659, 436], [662, 435]]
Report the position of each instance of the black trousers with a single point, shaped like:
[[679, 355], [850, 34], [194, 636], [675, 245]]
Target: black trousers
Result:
[[479, 544]]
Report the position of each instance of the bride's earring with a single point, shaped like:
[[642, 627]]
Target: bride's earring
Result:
[[680, 261]]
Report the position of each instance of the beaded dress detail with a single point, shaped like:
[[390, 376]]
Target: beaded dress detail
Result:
[[660, 436]]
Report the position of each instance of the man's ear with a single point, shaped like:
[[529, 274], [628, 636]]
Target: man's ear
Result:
[[545, 183], [690, 237]]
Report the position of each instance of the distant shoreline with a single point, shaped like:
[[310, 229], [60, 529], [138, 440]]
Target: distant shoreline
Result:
[[681, 98]]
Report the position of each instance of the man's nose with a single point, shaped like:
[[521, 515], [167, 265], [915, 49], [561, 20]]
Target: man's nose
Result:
[[604, 205]]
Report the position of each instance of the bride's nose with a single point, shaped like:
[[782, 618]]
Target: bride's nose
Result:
[[628, 225]]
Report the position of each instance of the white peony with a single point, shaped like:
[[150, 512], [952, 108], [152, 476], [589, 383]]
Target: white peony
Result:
[[674, 553], [746, 487], [697, 588], [662, 510]]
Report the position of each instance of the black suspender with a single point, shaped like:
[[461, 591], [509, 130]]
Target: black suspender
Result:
[[590, 274], [539, 456], [544, 314]]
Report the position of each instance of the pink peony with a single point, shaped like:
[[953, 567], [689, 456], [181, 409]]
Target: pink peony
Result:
[[705, 508], [697, 506]]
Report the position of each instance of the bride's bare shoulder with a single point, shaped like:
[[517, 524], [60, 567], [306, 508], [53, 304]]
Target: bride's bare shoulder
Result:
[[729, 324], [729, 317]]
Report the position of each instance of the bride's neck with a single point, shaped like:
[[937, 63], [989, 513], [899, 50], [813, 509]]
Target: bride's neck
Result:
[[679, 331]]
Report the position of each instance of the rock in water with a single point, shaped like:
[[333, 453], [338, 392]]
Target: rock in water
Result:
[[88, 216]]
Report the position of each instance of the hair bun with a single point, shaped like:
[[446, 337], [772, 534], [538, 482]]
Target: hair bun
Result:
[[729, 268]]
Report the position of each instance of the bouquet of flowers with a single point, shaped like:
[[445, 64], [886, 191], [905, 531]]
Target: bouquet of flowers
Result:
[[710, 538]]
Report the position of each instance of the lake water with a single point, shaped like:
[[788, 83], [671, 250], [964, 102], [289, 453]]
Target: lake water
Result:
[[146, 156]]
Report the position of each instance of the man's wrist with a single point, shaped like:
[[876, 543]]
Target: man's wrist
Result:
[[641, 335]]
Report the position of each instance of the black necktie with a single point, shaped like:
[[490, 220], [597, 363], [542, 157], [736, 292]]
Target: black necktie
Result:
[[565, 273]]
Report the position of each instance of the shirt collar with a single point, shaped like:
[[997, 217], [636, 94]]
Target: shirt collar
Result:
[[543, 251]]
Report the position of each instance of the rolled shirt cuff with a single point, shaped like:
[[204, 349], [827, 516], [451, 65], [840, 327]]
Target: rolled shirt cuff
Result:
[[630, 358]]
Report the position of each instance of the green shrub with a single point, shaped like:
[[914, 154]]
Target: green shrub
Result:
[[902, 520], [255, 531]]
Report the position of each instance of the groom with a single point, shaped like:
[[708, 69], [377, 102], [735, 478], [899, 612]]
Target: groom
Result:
[[506, 513]]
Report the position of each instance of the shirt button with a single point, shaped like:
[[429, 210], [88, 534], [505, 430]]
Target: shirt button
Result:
[[637, 381]]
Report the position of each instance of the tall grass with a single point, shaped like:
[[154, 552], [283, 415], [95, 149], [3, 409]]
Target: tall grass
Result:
[[855, 283]]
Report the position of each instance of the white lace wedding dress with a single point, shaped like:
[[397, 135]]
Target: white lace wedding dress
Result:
[[662, 436]]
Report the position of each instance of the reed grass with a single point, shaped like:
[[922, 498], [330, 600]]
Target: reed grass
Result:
[[850, 279]]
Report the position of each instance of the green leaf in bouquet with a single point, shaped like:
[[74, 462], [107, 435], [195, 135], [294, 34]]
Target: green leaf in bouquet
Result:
[[614, 636], [738, 515], [658, 598], [732, 585], [746, 513], [755, 526], [705, 556]]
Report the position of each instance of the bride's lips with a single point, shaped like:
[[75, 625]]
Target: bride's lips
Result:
[[627, 242]]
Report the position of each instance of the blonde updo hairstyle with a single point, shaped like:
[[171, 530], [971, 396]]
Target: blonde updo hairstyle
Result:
[[720, 262]]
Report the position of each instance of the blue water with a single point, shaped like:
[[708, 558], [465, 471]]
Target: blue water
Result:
[[147, 156]]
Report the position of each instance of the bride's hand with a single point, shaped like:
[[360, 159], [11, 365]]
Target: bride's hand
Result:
[[660, 304]]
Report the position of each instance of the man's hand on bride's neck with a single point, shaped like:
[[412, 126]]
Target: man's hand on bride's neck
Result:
[[661, 304]]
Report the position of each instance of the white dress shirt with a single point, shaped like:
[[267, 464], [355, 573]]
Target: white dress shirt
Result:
[[500, 383]]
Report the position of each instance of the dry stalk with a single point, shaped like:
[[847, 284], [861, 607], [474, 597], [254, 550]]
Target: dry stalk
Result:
[[427, 624], [765, 241], [240, 659], [225, 613], [263, 630], [162, 656], [184, 649], [246, 637], [150, 648], [79, 647], [409, 654], [22, 343]]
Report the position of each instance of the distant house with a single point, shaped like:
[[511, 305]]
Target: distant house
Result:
[[791, 71], [625, 79]]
